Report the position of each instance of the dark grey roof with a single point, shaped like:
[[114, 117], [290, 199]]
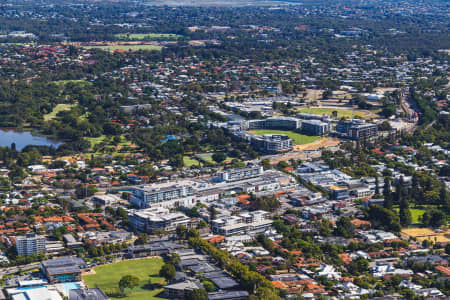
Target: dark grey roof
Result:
[[215, 274], [156, 246], [224, 282], [228, 295], [63, 270], [189, 262], [64, 261], [203, 267], [82, 294]]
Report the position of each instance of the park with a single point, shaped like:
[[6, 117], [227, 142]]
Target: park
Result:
[[107, 278]]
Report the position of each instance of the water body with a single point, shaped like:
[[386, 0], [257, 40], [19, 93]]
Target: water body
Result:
[[23, 139]]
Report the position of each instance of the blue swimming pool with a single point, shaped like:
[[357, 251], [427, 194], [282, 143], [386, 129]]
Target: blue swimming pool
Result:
[[70, 286]]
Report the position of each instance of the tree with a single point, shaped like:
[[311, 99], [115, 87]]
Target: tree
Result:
[[219, 157], [405, 215], [383, 218], [399, 191], [447, 249], [128, 281], [142, 239], [197, 294], [84, 190], [385, 126], [377, 186], [345, 228], [174, 258], [181, 232], [266, 163], [358, 266], [443, 198], [434, 218], [176, 161], [168, 272], [387, 193]]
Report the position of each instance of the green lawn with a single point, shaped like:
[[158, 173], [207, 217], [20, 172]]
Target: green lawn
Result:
[[189, 162], [80, 81], [207, 157], [298, 138], [148, 36], [341, 112], [108, 276], [95, 140], [58, 108], [126, 47], [416, 213]]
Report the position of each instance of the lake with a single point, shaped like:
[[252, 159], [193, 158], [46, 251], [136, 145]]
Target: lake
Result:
[[23, 139]]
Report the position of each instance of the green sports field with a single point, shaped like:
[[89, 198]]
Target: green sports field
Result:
[[298, 138], [341, 112], [147, 36], [146, 269], [126, 47]]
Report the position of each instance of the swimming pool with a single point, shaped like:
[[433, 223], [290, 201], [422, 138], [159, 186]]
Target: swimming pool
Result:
[[69, 286]]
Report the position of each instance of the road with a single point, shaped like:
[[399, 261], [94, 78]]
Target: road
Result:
[[12, 270]]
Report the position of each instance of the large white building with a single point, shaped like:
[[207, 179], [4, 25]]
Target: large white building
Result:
[[170, 194], [247, 223], [240, 173], [150, 219], [30, 244]]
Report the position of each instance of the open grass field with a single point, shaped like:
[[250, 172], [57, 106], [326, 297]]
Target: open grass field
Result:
[[189, 162], [80, 82], [298, 138], [107, 277], [95, 140], [58, 108], [341, 112], [126, 47], [416, 213], [207, 157], [148, 36]]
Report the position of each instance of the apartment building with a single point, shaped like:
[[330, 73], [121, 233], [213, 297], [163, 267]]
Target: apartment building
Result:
[[272, 143], [282, 123], [315, 127], [357, 129], [30, 244], [247, 223], [151, 219], [240, 173], [170, 194]]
